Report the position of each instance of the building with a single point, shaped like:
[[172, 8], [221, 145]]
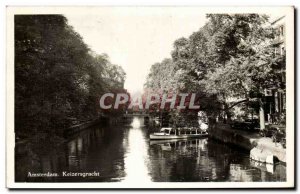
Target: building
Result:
[[279, 40], [275, 96]]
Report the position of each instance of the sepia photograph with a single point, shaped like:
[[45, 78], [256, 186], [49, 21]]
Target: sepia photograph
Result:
[[150, 97]]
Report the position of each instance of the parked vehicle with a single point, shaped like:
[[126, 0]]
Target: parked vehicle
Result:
[[268, 132], [279, 135], [283, 142], [276, 132], [248, 125]]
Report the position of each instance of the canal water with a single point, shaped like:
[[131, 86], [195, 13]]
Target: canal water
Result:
[[125, 153]]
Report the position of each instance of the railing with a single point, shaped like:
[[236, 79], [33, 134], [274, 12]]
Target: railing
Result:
[[136, 114]]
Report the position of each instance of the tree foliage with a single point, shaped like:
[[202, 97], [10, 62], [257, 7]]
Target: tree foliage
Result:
[[230, 57], [57, 77]]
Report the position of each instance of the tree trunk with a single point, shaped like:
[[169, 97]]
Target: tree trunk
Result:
[[261, 117], [227, 113]]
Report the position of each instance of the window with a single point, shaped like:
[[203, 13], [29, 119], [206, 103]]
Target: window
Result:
[[268, 92], [282, 50], [275, 51], [281, 31]]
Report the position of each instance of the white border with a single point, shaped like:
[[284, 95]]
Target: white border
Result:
[[288, 11]]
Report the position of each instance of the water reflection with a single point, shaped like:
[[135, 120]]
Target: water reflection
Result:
[[125, 153], [136, 154], [206, 160]]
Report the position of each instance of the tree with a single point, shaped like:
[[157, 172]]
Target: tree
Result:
[[250, 64], [226, 61], [57, 77]]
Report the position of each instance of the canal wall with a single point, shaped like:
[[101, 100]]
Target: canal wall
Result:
[[77, 128], [57, 139], [103, 120], [261, 149]]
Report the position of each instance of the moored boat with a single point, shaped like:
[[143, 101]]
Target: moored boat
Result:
[[178, 133]]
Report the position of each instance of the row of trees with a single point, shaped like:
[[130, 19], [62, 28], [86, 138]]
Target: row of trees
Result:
[[58, 79], [228, 61]]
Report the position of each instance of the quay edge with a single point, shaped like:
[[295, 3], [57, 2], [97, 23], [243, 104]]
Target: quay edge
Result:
[[261, 149]]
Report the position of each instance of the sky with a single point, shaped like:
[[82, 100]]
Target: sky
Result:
[[136, 38]]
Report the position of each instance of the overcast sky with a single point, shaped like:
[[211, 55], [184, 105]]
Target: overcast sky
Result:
[[136, 38]]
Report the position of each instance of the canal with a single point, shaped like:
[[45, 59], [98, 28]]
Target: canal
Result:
[[125, 153]]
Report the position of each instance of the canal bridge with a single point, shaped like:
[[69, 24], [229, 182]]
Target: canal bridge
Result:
[[136, 115]]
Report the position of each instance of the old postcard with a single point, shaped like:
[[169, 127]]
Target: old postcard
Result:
[[150, 97]]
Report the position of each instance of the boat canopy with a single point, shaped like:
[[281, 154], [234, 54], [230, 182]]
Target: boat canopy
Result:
[[165, 129]]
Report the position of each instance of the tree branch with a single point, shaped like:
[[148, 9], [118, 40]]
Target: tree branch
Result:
[[236, 103]]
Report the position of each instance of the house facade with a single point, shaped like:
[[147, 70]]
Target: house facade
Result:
[[276, 96]]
